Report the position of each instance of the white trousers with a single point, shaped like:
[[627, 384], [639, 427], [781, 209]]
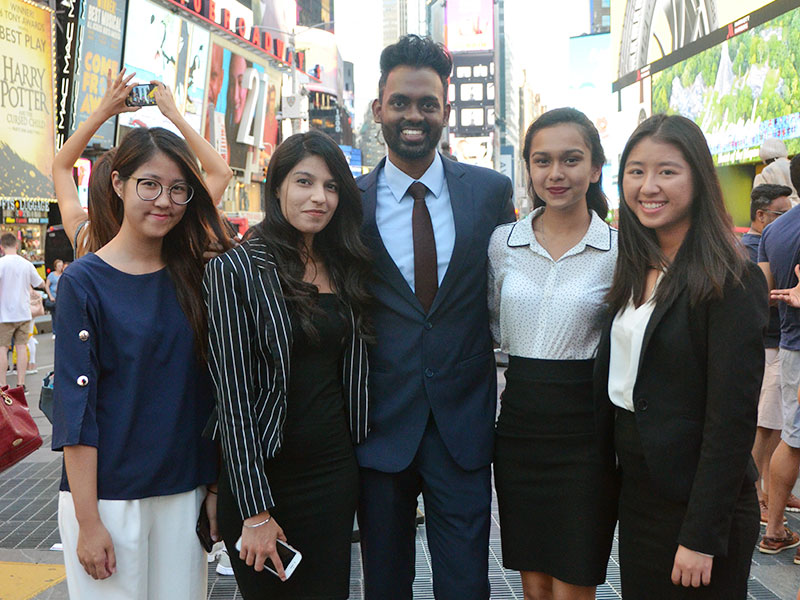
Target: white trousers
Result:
[[158, 554]]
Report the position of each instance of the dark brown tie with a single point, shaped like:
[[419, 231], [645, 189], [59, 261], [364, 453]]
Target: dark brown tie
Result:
[[426, 278]]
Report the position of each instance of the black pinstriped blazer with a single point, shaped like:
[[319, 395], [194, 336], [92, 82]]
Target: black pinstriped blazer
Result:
[[250, 343]]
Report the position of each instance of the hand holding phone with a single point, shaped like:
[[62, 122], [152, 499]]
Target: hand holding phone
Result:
[[142, 95], [289, 556]]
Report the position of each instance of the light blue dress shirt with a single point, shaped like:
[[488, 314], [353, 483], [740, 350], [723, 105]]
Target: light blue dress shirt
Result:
[[393, 216]]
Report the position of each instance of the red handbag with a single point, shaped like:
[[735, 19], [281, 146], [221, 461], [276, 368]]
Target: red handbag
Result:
[[19, 435]]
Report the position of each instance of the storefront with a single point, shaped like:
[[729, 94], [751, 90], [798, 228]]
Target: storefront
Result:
[[27, 220]]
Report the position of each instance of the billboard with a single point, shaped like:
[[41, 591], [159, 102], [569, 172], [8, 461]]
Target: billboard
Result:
[[175, 51], [647, 30], [469, 25], [741, 91], [27, 103], [242, 98], [474, 150], [322, 60], [99, 50]]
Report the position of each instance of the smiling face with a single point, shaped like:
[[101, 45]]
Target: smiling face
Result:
[[658, 188], [239, 92], [412, 114], [154, 218], [560, 166], [309, 196]]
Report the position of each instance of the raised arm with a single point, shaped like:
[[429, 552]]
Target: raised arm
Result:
[[218, 173], [113, 103]]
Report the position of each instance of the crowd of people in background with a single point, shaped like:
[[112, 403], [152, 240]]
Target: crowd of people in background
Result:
[[338, 361]]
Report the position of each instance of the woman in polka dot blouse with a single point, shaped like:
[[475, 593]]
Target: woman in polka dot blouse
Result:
[[548, 276]]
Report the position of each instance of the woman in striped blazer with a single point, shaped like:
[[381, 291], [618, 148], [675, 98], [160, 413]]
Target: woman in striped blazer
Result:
[[287, 352]]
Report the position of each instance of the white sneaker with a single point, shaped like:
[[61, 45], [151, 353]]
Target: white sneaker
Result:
[[224, 563], [216, 549]]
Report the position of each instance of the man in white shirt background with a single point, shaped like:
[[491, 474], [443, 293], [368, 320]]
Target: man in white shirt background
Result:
[[17, 276]]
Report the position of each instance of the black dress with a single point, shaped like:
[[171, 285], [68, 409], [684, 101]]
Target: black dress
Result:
[[314, 478]]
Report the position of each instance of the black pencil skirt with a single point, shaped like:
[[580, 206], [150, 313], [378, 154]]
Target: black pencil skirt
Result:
[[556, 492], [649, 526]]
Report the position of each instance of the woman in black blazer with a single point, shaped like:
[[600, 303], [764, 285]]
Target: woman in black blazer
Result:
[[288, 357], [678, 373]]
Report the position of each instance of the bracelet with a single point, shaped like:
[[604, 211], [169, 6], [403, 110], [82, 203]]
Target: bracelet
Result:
[[257, 524]]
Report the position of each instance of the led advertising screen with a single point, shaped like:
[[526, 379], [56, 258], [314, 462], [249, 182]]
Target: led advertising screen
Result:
[[647, 30], [102, 24], [27, 104], [230, 126], [469, 25], [741, 91], [176, 52]]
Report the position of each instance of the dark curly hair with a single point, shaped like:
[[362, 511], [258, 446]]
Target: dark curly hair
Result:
[[418, 52], [339, 245]]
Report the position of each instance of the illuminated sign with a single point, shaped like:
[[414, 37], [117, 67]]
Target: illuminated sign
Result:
[[102, 23], [27, 104], [243, 28], [741, 91], [469, 25]]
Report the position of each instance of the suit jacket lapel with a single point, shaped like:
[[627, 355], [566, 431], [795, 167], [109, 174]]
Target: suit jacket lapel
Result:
[[385, 267], [658, 313], [462, 202]]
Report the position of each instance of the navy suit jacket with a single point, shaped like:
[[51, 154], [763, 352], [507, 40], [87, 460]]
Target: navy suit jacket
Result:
[[442, 361]]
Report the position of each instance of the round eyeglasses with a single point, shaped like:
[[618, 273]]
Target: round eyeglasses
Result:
[[150, 189]]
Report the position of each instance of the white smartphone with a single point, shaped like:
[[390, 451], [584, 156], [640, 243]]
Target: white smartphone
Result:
[[289, 556]]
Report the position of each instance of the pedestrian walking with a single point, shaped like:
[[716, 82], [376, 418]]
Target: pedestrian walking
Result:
[[51, 287], [548, 277], [767, 203], [679, 370], [133, 393], [779, 257], [287, 332], [17, 277]]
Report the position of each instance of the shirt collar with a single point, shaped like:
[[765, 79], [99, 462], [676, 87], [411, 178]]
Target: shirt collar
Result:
[[398, 181], [597, 236]]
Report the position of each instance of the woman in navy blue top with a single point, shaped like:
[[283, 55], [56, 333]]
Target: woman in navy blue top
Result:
[[133, 391]]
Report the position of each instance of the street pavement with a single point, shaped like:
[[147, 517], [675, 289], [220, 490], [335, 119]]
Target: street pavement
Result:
[[29, 528]]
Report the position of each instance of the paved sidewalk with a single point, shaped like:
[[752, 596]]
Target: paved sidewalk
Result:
[[28, 528]]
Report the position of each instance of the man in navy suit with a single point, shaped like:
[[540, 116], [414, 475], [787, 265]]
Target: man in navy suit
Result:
[[432, 373]]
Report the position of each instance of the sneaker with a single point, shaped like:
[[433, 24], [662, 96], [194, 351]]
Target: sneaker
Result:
[[216, 549], [224, 563], [773, 545], [762, 505], [793, 504]]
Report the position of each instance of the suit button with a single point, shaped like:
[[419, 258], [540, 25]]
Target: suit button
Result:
[[428, 373], [641, 404], [428, 325]]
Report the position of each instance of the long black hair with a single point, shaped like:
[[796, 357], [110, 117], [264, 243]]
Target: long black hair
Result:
[[339, 244], [200, 226], [595, 198], [710, 254]]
